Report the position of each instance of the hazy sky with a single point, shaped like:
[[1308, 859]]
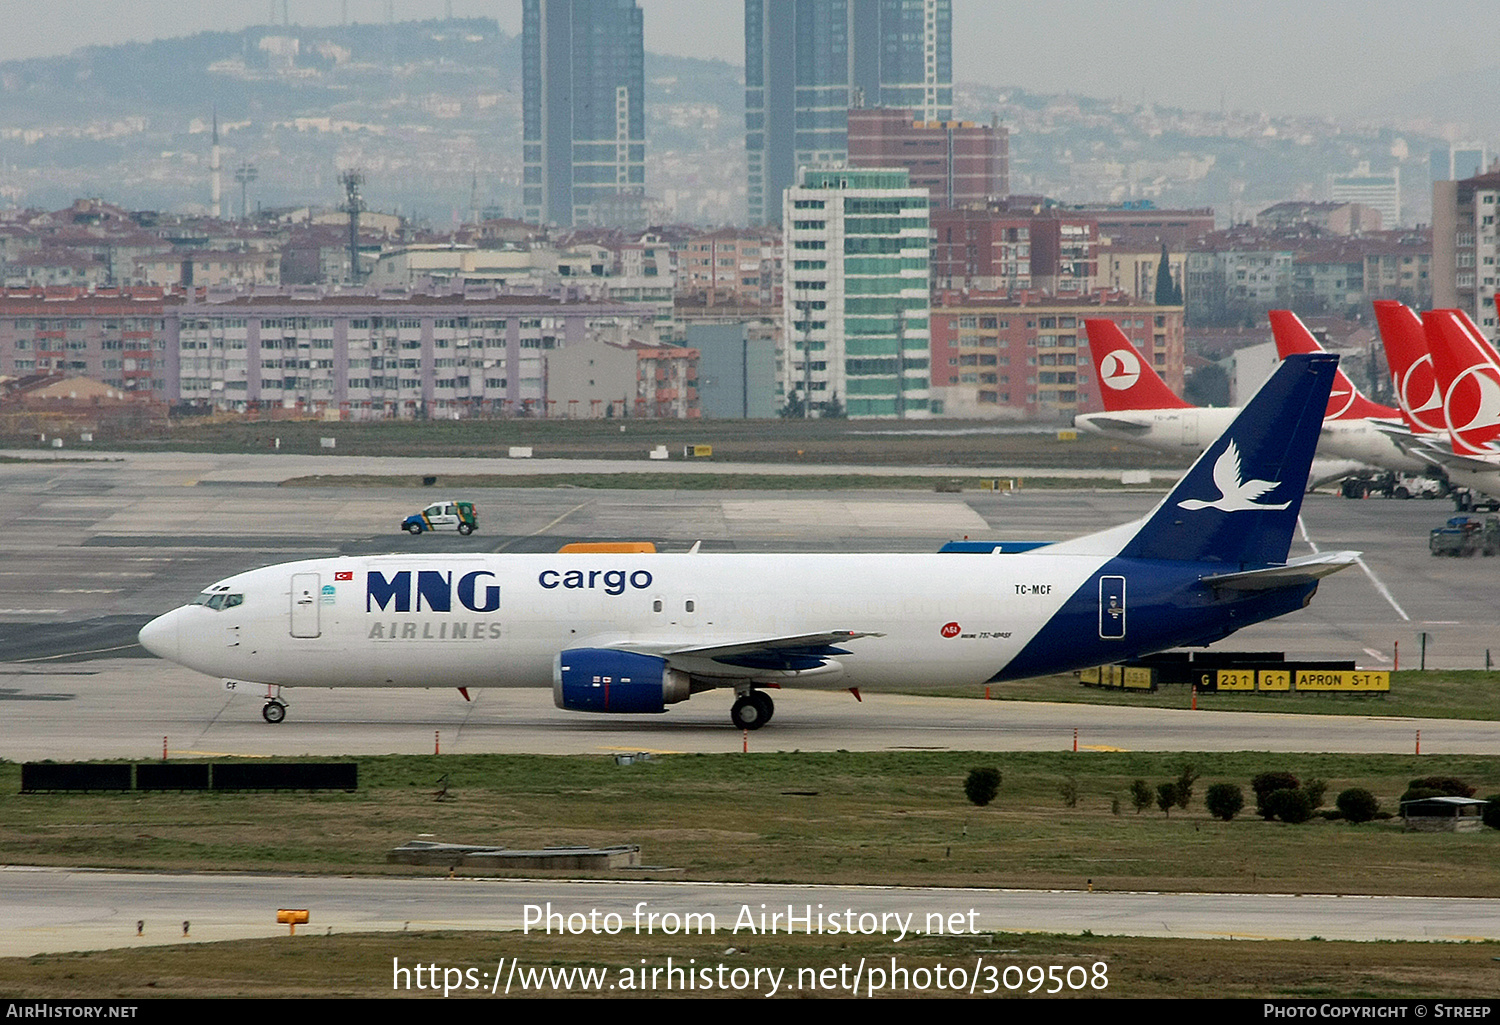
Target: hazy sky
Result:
[[1283, 56]]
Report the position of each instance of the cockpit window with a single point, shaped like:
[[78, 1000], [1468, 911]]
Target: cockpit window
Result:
[[219, 599]]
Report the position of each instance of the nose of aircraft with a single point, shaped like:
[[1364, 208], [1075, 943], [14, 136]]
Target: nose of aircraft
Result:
[[160, 637]]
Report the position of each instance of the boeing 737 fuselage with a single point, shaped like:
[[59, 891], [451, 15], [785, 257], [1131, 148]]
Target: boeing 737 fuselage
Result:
[[637, 632]]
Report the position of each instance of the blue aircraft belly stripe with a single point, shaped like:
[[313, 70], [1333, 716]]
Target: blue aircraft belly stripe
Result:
[[1168, 607]]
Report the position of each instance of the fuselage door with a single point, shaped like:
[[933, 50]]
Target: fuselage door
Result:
[[1111, 607], [1189, 428], [305, 591]]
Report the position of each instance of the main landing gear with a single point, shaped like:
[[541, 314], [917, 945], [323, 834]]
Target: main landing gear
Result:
[[752, 710]]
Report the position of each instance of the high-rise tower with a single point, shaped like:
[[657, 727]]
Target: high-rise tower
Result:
[[808, 61], [214, 181], [584, 132]]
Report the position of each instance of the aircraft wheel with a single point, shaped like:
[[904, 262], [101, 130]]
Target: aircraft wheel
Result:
[[273, 712], [748, 713], [767, 706], [465, 529]]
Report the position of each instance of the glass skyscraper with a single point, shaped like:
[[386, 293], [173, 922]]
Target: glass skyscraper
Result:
[[584, 107], [808, 61]]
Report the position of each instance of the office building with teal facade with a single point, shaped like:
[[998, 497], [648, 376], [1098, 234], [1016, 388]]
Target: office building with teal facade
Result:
[[856, 301]]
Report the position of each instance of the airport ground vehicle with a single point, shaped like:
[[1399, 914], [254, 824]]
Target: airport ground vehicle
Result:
[[1469, 500], [458, 516], [1389, 484], [1462, 536]]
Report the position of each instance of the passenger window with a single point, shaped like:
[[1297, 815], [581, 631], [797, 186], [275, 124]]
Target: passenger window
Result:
[[689, 605], [656, 605]]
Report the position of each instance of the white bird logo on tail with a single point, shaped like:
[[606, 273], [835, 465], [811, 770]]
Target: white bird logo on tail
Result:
[[1235, 493]]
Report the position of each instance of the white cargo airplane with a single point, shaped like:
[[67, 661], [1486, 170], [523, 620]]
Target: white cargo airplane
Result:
[[637, 632], [1139, 407]]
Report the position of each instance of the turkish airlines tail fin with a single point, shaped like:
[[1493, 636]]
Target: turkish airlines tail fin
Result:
[[1126, 379], [1468, 376], [1405, 342], [1238, 503], [1345, 401]]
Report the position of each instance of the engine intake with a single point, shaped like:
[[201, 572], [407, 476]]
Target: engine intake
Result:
[[602, 680]]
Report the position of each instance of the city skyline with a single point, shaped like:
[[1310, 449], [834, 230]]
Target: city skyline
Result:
[[1285, 58]]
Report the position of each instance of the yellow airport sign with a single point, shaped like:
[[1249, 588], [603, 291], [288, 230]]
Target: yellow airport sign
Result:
[[1349, 680], [1274, 680], [1235, 679]]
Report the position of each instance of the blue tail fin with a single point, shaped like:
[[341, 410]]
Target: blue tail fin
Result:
[[1238, 504]]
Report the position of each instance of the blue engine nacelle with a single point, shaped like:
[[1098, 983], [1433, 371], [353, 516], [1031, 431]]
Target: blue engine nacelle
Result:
[[601, 680]]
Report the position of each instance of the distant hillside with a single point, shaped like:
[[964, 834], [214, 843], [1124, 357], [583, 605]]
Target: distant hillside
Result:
[[430, 109]]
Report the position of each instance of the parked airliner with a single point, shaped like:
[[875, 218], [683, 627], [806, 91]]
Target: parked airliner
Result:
[[636, 632], [1139, 406]]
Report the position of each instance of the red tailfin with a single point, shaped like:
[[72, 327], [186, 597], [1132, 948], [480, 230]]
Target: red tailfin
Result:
[[1345, 401], [1405, 342], [1126, 380], [1468, 372]]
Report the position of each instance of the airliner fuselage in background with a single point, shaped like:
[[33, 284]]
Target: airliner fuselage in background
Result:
[[637, 632], [1139, 407]]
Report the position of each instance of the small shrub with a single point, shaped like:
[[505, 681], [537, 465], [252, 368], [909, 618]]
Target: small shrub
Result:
[[1224, 800], [1491, 811], [1186, 777], [1140, 795], [982, 786], [1315, 789], [1068, 788], [1288, 805], [1166, 796], [1357, 805], [1446, 786], [1266, 784]]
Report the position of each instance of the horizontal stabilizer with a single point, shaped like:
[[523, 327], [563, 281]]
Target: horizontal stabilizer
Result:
[[1111, 423], [1297, 571]]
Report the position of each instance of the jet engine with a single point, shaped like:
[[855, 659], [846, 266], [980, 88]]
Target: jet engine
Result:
[[601, 680]]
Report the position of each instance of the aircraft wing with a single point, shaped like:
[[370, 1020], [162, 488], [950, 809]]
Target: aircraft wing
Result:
[[1303, 570], [797, 653], [1470, 463]]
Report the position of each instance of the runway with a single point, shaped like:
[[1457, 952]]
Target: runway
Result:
[[130, 708]]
